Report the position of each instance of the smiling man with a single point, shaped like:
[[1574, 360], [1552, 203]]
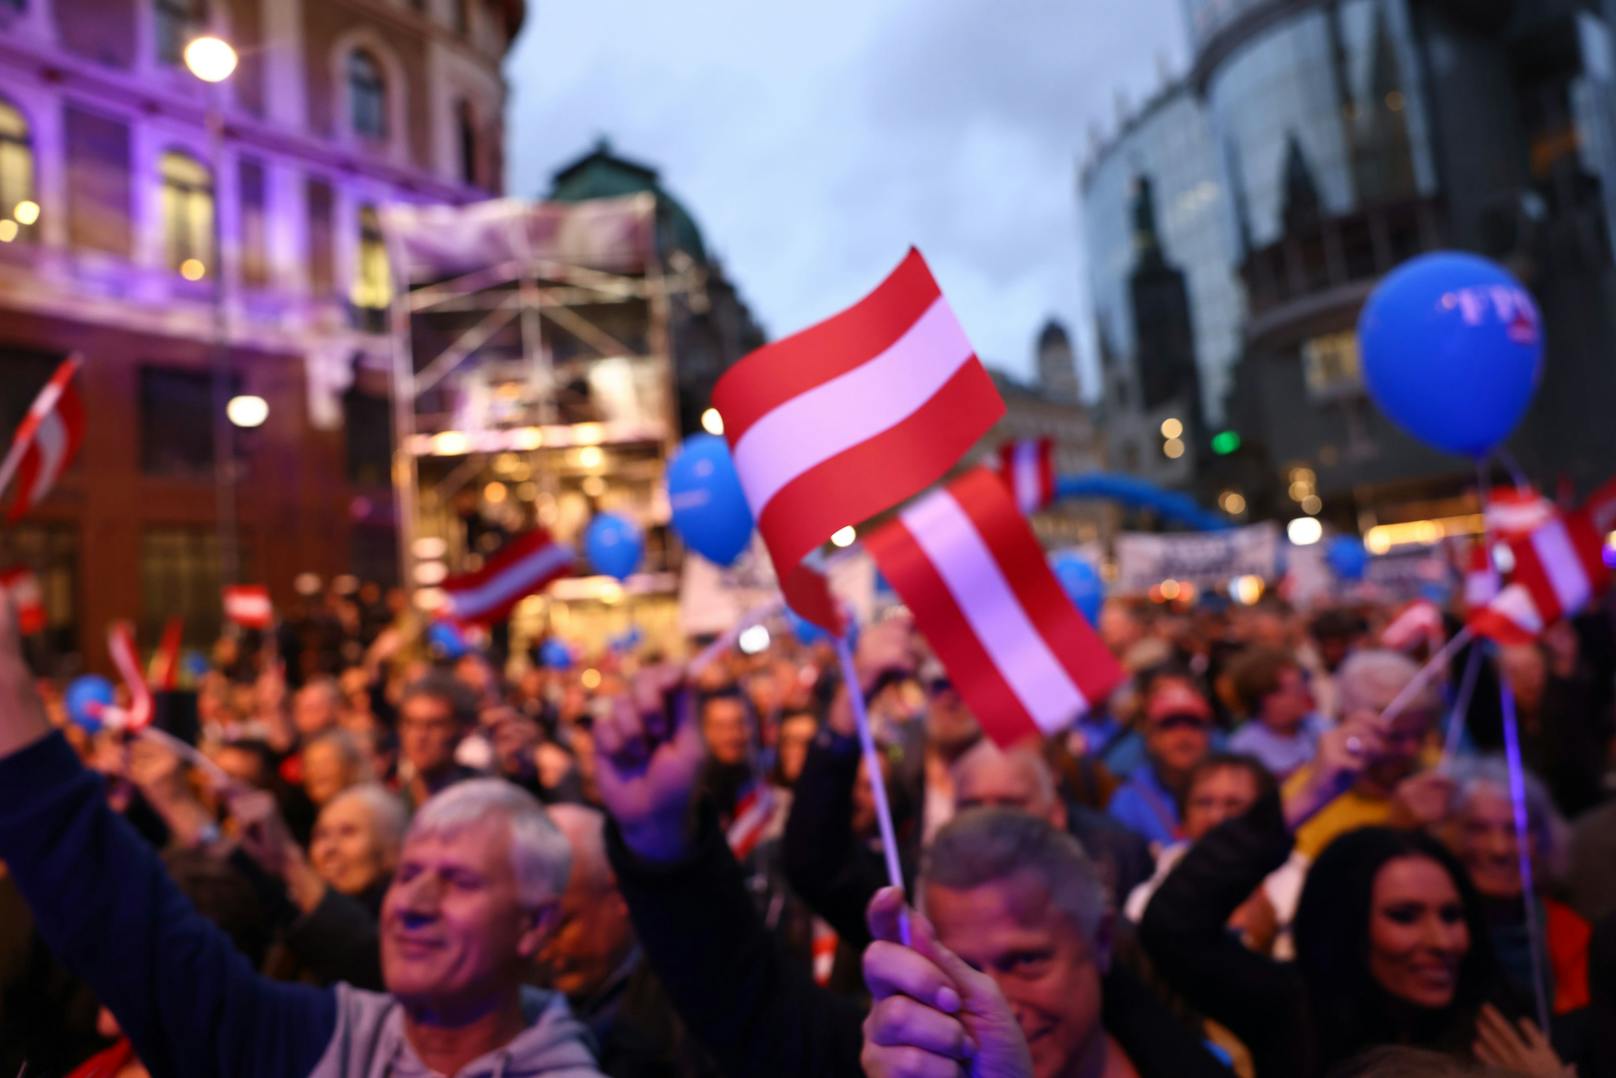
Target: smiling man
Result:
[[473, 901]]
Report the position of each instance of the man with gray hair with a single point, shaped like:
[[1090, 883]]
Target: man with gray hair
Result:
[[475, 896]]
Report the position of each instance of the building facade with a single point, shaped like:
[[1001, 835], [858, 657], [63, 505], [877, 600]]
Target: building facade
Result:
[[168, 229], [1349, 136]]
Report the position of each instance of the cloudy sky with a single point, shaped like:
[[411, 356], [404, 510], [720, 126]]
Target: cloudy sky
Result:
[[815, 142]]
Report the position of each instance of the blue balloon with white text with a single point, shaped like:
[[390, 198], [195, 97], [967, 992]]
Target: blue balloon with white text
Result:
[[1082, 584], [709, 508], [614, 545]]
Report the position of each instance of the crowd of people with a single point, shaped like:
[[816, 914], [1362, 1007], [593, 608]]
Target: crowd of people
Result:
[[391, 853]]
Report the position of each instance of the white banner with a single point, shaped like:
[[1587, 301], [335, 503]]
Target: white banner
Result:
[[1206, 559]]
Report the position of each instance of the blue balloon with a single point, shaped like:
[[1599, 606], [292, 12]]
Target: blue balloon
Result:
[[709, 508], [1082, 584], [1452, 349], [85, 698], [614, 545], [1346, 556], [194, 665], [447, 640], [627, 641], [554, 655]]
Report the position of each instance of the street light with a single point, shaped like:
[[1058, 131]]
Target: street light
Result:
[[247, 410], [209, 58]]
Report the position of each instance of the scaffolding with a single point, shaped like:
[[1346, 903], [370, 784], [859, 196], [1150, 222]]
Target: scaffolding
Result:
[[533, 380]]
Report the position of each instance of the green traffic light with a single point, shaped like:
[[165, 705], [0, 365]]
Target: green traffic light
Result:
[[1225, 442]]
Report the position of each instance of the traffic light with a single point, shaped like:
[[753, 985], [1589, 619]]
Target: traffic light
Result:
[[1225, 442]]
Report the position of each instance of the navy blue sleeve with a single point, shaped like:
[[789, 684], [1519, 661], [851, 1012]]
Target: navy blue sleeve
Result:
[[185, 996]]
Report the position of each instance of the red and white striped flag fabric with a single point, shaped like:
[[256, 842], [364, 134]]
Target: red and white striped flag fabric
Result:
[[1561, 565], [1418, 622], [1511, 618], [1512, 512], [248, 605], [46, 440], [165, 664], [753, 811], [1481, 581], [525, 565], [22, 586], [824, 952], [121, 647], [966, 562], [1028, 467], [847, 418]]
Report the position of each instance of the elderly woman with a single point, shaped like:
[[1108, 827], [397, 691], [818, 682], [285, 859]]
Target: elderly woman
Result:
[[356, 842], [1481, 833]]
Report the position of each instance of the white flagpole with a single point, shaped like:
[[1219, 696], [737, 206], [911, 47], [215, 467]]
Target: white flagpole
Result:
[[872, 762]]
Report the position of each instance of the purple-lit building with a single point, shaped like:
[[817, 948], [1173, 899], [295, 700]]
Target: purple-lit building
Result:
[[124, 226]]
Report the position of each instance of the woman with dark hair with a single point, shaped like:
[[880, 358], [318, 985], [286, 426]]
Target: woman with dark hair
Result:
[[1391, 943]]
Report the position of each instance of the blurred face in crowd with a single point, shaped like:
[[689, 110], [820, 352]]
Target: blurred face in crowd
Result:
[[1401, 739], [1217, 795], [864, 823], [987, 777], [725, 726], [1268, 628], [516, 738], [1283, 710], [428, 733], [348, 849], [1119, 628], [1038, 957], [796, 734], [475, 674], [1333, 650], [454, 932], [1180, 739], [327, 771], [316, 708], [1484, 841], [244, 766], [1417, 932], [594, 935], [1526, 672], [950, 727]]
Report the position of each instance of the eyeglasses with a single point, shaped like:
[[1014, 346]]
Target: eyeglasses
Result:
[[1180, 722]]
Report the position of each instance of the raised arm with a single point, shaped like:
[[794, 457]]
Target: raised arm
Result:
[[754, 1010], [187, 999]]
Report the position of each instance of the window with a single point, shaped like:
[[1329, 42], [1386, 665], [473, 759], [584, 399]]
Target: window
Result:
[[179, 577], [466, 122], [187, 208], [373, 283], [18, 210], [98, 183], [254, 224], [1330, 366], [178, 21], [367, 95], [176, 426], [322, 240]]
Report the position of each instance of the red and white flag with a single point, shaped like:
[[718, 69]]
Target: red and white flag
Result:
[[966, 562], [1511, 618], [121, 647], [525, 565], [165, 664], [22, 586], [1418, 622], [846, 419], [1559, 569], [46, 440], [753, 811], [824, 951], [1512, 512], [1028, 467], [248, 606], [1481, 581]]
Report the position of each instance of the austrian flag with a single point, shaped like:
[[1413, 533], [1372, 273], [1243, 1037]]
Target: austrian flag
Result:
[[1029, 469], [971, 571], [525, 565], [1559, 569], [846, 419], [249, 606], [45, 442]]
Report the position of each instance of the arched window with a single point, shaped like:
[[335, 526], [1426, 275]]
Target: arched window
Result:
[[373, 280], [367, 95], [18, 210], [466, 130], [178, 21], [187, 214]]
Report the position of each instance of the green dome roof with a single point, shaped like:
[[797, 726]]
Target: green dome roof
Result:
[[602, 174]]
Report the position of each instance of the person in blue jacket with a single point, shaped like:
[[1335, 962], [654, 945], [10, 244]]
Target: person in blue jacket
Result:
[[475, 897]]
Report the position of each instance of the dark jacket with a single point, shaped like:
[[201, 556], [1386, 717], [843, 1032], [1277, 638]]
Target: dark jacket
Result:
[[186, 998], [759, 1014]]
